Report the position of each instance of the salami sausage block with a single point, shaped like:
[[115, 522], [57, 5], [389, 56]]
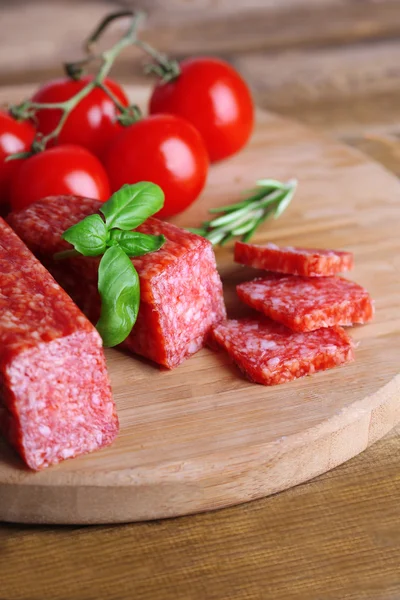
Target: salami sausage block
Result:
[[308, 303], [55, 395], [308, 262], [270, 354], [181, 291]]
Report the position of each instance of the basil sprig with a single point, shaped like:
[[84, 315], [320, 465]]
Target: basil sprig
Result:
[[118, 281], [132, 205], [88, 237], [134, 243], [120, 296]]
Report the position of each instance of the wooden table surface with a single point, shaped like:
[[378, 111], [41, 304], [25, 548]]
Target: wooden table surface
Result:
[[332, 64]]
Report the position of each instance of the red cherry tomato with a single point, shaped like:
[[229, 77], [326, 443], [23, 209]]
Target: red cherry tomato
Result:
[[214, 98], [92, 123], [57, 171], [163, 149], [15, 136]]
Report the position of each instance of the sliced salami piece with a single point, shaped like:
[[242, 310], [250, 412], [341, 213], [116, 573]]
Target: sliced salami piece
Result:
[[310, 262], [270, 354], [55, 395], [308, 303], [181, 291]]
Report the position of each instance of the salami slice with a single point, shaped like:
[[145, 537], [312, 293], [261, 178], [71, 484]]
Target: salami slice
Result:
[[270, 354], [308, 303], [309, 262], [181, 291], [55, 395]]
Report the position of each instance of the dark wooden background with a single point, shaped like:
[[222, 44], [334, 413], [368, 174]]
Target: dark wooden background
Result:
[[334, 64]]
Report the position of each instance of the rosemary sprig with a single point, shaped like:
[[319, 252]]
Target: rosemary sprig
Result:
[[269, 199]]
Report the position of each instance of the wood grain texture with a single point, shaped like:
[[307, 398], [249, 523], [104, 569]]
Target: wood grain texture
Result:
[[336, 537], [183, 27], [350, 92], [200, 437], [332, 75]]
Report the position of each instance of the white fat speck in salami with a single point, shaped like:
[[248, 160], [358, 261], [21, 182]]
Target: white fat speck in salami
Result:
[[309, 262], [269, 353], [51, 365], [308, 303], [180, 288]]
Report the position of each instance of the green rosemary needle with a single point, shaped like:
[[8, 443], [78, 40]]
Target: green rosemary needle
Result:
[[269, 199]]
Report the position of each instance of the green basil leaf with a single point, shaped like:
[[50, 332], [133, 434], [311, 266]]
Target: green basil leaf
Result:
[[119, 290], [132, 205], [134, 243], [89, 236]]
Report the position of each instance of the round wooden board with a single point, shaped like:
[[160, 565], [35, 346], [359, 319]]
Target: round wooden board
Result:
[[201, 437]]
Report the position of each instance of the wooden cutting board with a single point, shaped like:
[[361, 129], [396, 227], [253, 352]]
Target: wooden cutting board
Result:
[[201, 437]]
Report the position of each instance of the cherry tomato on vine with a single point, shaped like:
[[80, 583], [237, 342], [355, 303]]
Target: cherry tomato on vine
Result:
[[165, 150], [92, 123], [61, 170], [210, 94], [15, 136]]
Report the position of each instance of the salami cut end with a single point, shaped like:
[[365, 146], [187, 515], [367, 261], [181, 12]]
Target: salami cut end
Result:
[[181, 296], [270, 354], [308, 303], [55, 395], [180, 289], [59, 399], [308, 262]]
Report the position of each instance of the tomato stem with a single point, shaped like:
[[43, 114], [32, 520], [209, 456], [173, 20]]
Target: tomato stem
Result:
[[121, 107], [163, 66], [129, 115], [106, 22], [76, 69], [27, 109]]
